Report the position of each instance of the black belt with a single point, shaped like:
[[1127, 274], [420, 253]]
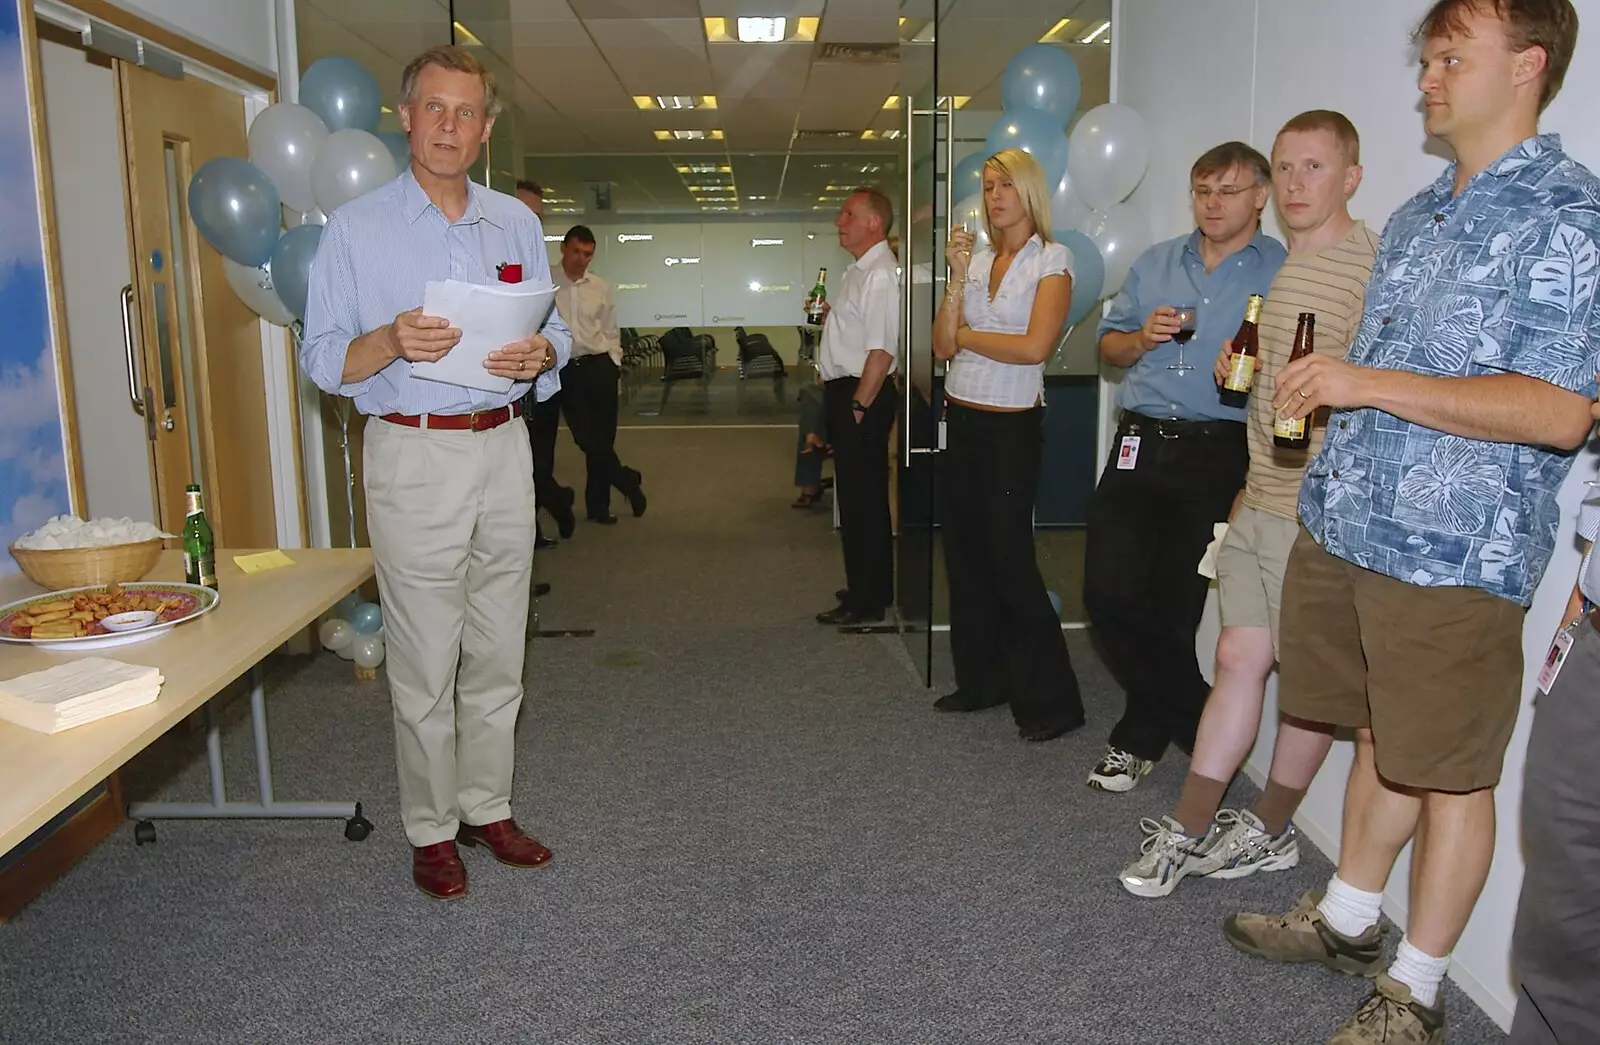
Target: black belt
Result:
[[1173, 428], [588, 357]]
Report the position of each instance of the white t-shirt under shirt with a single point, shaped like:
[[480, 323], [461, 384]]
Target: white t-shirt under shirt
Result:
[[864, 315], [973, 378]]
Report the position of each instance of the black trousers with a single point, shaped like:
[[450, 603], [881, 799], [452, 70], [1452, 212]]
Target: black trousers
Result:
[[589, 401], [1004, 634], [1148, 528], [861, 482], [543, 419]]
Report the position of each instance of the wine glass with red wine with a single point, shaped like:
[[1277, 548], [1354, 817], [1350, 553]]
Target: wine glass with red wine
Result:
[[1186, 321]]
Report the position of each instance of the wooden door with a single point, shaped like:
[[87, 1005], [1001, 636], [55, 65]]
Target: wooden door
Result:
[[200, 346]]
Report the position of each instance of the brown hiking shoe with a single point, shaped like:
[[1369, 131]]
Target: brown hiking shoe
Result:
[[1390, 1017], [1303, 935]]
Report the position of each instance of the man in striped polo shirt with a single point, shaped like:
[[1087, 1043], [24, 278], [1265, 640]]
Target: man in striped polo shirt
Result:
[[1316, 167]]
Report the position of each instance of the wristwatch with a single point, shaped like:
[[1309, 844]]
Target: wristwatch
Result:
[[856, 404]]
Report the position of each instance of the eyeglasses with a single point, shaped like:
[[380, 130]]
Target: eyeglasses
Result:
[[1227, 193]]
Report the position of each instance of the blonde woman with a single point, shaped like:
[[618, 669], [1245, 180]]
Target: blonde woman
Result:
[[1000, 319]]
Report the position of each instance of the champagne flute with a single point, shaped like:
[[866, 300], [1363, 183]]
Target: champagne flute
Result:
[[965, 227], [1186, 317]]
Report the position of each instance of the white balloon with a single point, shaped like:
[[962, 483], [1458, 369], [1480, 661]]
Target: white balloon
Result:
[[1110, 150], [970, 211], [254, 287], [1122, 233], [284, 140], [293, 218], [350, 163], [336, 635], [367, 651], [1067, 209]]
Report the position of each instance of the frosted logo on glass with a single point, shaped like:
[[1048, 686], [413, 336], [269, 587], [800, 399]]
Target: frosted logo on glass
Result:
[[634, 237], [681, 261], [766, 243]]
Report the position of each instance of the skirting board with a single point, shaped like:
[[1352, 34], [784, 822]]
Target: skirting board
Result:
[[1322, 838]]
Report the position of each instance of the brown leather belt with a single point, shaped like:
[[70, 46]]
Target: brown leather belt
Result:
[[477, 421]]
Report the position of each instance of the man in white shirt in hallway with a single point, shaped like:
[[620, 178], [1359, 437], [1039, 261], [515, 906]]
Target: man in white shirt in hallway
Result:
[[448, 477], [859, 340], [589, 384]]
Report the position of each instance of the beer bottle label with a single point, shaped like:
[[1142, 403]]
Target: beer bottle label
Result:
[[1241, 373], [1289, 428]]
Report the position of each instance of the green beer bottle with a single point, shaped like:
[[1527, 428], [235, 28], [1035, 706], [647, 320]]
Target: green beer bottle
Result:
[[199, 548], [814, 302]]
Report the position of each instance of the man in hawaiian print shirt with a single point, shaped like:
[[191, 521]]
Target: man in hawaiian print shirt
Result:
[[1431, 511]]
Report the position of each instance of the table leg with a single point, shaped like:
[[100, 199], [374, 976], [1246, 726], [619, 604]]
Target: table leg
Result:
[[357, 827]]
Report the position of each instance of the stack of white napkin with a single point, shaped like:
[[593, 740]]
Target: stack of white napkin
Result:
[[76, 692]]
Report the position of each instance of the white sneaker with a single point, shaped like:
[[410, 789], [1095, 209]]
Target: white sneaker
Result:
[[1245, 847], [1168, 856], [1119, 771]]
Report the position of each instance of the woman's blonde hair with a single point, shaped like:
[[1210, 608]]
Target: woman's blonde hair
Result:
[[1028, 178]]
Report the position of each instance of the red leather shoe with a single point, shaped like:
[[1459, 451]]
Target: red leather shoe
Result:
[[438, 871], [508, 842]]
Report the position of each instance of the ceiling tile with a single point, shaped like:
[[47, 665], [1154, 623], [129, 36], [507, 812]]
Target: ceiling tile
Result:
[[759, 70], [641, 9]]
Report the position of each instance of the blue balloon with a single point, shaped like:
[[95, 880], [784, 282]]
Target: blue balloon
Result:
[[367, 618], [341, 92], [1088, 273], [235, 207], [291, 266], [1036, 134], [1044, 78], [968, 177], [399, 148], [346, 606]]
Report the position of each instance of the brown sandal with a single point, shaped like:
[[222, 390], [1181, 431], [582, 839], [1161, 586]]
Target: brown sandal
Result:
[[806, 500]]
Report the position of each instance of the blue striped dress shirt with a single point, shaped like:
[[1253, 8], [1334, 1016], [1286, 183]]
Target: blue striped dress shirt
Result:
[[377, 254]]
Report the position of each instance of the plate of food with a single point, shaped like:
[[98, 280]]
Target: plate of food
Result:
[[76, 618]]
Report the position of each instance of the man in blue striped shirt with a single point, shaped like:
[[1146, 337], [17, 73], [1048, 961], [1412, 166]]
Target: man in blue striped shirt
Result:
[[449, 483]]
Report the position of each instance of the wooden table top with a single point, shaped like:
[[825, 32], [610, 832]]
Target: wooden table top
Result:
[[41, 774]]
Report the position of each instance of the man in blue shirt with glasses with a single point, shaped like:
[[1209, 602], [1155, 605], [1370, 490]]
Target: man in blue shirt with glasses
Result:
[[1178, 459]]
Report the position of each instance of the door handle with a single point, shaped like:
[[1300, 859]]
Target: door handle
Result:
[[134, 398]]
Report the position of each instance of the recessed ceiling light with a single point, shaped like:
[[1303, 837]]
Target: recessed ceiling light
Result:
[[889, 135], [704, 168], [674, 102], [761, 30], [465, 37], [1092, 37], [688, 136], [755, 197], [1055, 34], [892, 102]]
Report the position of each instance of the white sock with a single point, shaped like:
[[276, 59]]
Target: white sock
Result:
[[1349, 910], [1421, 972]]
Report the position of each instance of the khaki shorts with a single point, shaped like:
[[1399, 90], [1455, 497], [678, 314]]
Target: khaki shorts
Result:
[[1250, 567], [1436, 673]]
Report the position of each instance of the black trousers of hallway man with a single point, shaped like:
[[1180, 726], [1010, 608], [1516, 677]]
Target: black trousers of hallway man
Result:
[[861, 483], [543, 420], [589, 401], [1005, 636], [1148, 529]]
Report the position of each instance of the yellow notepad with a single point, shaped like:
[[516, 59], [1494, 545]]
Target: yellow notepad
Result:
[[262, 561]]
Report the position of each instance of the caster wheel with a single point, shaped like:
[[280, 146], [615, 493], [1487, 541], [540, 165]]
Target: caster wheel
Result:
[[144, 833], [358, 827]]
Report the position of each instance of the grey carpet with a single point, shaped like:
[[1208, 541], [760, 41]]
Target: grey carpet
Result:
[[762, 834]]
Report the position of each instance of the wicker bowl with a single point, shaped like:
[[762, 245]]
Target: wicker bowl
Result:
[[57, 568]]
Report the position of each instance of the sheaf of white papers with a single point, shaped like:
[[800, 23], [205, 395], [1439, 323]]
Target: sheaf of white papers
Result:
[[489, 316], [77, 692]]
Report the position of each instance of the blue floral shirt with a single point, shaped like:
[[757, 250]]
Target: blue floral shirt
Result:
[[1500, 279]]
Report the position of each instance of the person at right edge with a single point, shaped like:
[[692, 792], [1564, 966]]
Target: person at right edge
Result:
[[997, 329], [1430, 513], [859, 341], [1555, 949], [1178, 459], [1316, 168]]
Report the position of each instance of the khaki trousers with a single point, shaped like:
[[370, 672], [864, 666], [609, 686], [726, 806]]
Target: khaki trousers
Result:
[[450, 514]]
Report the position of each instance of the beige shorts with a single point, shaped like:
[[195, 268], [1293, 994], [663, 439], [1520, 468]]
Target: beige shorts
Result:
[[1250, 567]]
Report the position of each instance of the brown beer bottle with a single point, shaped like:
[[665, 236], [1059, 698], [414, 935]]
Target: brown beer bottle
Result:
[[1246, 350], [1295, 433]]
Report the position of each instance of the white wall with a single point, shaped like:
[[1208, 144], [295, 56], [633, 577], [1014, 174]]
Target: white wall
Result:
[[721, 274], [241, 29], [1286, 56]]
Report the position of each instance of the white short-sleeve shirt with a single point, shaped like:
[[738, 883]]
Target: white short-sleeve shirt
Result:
[[972, 378], [865, 315]]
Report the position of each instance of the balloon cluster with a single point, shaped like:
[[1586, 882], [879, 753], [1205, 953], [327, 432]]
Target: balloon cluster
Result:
[[1091, 173], [354, 630], [265, 215]]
